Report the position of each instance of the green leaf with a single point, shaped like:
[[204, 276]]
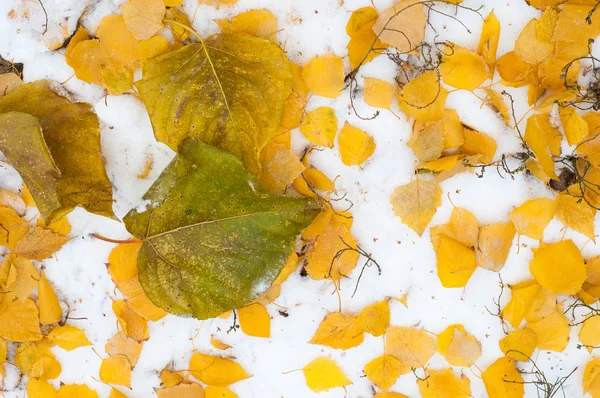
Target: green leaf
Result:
[[212, 240], [55, 145], [232, 99]]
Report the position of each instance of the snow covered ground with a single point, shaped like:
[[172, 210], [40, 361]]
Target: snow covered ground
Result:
[[308, 28]]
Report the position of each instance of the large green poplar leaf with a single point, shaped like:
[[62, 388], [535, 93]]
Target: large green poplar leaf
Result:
[[55, 145], [233, 98], [212, 240]]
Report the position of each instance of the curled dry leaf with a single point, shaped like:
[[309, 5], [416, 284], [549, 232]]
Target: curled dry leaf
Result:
[[245, 240]]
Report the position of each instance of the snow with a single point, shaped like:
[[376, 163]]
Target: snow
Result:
[[308, 28]]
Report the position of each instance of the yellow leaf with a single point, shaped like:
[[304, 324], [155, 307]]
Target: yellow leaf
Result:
[[40, 389], [145, 308], [219, 392], [496, 101], [390, 395], [40, 243], [572, 31], [378, 93], [488, 41], [324, 262], [423, 98], [576, 128], [120, 344], [114, 393], [416, 203], [558, 267], [339, 330], [552, 76], [192, 390], [317, 180], [152, 47], [323, 374], [519, 344], [359, 19], [427, 140], [544, 140], [530, 49], [412, 346], [116, 42], [532, 217], [362, 38], [180, 34], [477, 143], [87, 60], [122, 261], [523, 294], [68, 337], [463, 227], [355, 145], [576, 214], [3, 354], [458, 346], [36, 360], [169, 378], [20, 322], [552, 331], [261, 23], [375, 318], [514, 72], [444, 384], [290, 266], [133, 325], [143, 17], [319, 126], [218, 344], [116, 369], [591, 381], [402, 26], [9, 82], [255, 320], [493, 245], [589, 334], [76, 391], [384, 371], [455, 262], [27, 277], [13, 227], [216, 371], [503, 380], [464, 69], [280, 167], [324, 76], [544, 27]]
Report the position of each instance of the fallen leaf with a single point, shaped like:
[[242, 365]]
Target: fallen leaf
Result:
[[416, 203], [132, 324], [412, 346], [513, 71], [184, 390], [464, 69], [384, 371], [116, 41], [529, 48], [120, 344], [576, 214], [544, 141], [427, 140], [68, 337], [76, 391], [279, 167], [375, 318], [378, 93], [40, 389], [143, 17], [519, 344], [493, 245], [323, 374], [355, 145], [402, 26], [576, 128], [455, 262], [9, 82], [337, 330], [116, 369], [36, 360], [552, 331], [533, 216], [153, 47], [216, 371], [458, 346], [591, 381], [496, 101], [179, 31], [320, 126], [26, 280], [261, 23], [40, 243], [169, 378], [477, 143], [218, 344], [488, 40], [523, 294], [362, 38], [13, 228], [589, 334], [503, 380], [255, 320], [423, 98], [324, 76], [444, 384], [122, 261], [219, 392], [572, 32], [558, 267]]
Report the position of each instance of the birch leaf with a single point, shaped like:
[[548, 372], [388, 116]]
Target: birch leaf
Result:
[[203, 254], [416, 203], [444, 384], [558, 267], [323, 374], [339, 330], [216, 371], [143, 17], [402, 26], [503, 380], [384, 371], [62, 162], [488, 41], [412, 346], [234, 101]]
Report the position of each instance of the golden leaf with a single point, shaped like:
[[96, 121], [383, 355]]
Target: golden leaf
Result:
[[427, 140], [558, 267], [384, 371], [185, 390], [576, 214], [477, 143], [544, 140], [444, 384], [324, 76], [120, 344], [279, 167], [589, 334], [355, 145], [412, 346], [402, 26], [362, 38], [523, 295], [378, 93], [255, 320], [50, 309], [552, 331], [493, 245], [423, 98], [261, 23], [529, 48], [152, 47], [416, 203], [36, 360], [143, 17], [519, 344], [458, 346], [68, 337], [40, 389], [532, 217], [591, 381], [340, 331], [464, 69], [455, 262], [13, 227], [40, 243], [375, 318], [576, 128], [323, 374], [323, 261], [116, 369], [488, 41], [76, 391], [133, 324], [116, 42], [503, 380], [216, 371]]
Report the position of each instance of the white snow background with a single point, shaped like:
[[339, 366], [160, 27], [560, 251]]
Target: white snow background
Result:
[[308, 28]]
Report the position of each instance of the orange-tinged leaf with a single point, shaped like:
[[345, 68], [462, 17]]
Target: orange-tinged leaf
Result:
[[503, 380], [576, 214], [384, 371], [416, 203], [324, 75], [255, 320], [552, 77], [488, 41], [122, 261], [458, 346], [427, 140], [529, 48], [40, 243], [219, 392], [339, 330], [493, 245], [544, 141], [320, 126], [576, 128], [552, 331], [523, 294], [13, 227], [323, 374], [280, 167], [455, 262], [591, 381], [218, 344], [133, 324], [444, 384], [532, 217], [464, 69], [513, 71], [375, 318], [216, 371], [423, 98], [261, 23], [519, 344], [187, 390], [120, 344], [322, 261], [76, 391], [402, 26], [116, 369], [143, 17], [20, 322], [412, 346], [40, 389], [68, 337], [378, 93], [116, 42], [152, 47], [477, 143], [558, 267], [355, 145]]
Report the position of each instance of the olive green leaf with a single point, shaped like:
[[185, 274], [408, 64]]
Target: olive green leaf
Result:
[[55, 145], [212, 240], [229, 94]]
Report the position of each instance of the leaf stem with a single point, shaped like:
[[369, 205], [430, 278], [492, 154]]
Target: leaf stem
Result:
[[105, 239]]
